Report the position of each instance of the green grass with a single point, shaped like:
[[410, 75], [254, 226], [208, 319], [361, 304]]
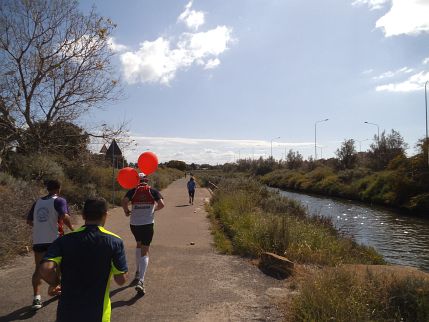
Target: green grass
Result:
[[255, 220], [391, 187]]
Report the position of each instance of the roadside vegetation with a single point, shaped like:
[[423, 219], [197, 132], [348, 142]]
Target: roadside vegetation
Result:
[[255, 219], [383, 175], [248, 219], [359, 294]]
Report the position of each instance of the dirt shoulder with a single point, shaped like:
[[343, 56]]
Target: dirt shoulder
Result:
[[184, 282]]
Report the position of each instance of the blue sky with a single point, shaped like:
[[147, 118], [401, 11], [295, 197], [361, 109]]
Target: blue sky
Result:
[[209, 81]]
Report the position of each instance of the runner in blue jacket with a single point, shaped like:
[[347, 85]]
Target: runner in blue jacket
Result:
[[191, 190]]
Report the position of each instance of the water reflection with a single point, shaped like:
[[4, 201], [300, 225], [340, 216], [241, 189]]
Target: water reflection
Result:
[[401, 240]]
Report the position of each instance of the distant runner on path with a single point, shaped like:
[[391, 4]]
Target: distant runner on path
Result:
[[191, 190], [46, 217], [145, 201], [87, 258]]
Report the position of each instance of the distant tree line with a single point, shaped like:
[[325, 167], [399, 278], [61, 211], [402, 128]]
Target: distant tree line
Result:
[[383, 174]]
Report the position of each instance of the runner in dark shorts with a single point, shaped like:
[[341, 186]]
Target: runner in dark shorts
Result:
[[143, 233], [46, 217], [145, 201], [191, 189]]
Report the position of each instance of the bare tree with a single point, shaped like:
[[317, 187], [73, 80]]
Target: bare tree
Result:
[[55, 65]]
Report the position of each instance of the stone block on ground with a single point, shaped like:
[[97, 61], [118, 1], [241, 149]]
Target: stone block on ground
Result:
[[276, 266]]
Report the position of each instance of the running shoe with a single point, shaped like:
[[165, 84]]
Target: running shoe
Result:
[[140, 288], [37, 304]]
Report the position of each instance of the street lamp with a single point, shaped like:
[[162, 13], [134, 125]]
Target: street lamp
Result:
[[321, 151], [272, 145], [315, 137], [360, 146], [426, 105], [378, 131]]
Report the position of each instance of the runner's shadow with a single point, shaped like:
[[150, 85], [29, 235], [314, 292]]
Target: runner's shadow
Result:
[[183, 205], [120, 289], [25, 313], [130, 302]]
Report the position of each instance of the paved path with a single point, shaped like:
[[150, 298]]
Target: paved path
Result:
[[184, 282]]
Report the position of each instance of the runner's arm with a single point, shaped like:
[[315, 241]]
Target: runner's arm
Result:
[[125, 202], [63, 211], [120, 279], [159, 204], [119, 263], [67, 221]]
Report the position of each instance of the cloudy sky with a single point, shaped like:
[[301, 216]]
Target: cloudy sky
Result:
[[211, 81]]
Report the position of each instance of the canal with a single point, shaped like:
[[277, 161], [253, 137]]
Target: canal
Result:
[[400, 239]]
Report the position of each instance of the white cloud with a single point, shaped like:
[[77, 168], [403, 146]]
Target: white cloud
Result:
[[211, 151], [425, 61], [156, 62], [114, 46], [389, 74], [193, 19], [414, 83], [212, 63], [159, 61], [372, 4], [408, 17], [212, 42]]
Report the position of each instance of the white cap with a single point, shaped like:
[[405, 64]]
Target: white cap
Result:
[[142, 176]]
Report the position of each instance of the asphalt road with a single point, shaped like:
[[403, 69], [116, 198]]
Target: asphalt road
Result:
[[184, 282]]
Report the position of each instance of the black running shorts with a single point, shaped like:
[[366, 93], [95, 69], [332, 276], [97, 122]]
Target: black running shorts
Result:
[[191, 193], [143, 233], [41, 248]]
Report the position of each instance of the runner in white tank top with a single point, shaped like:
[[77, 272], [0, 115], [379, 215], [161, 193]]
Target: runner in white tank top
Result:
[[44, 217], [145, 201]]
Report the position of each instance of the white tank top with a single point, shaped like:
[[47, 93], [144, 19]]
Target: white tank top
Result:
[[142, 214], [45, 221]]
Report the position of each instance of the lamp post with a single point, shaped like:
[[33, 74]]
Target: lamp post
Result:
[[315, 137], [272, 145], [321, 152], [360, 146], [426, 105], [378, 131]]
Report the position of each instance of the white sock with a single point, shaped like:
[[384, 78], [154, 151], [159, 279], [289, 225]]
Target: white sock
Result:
[[37, 297], [144, 262], [138, 255]]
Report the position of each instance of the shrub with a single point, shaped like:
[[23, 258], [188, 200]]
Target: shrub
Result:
[[17, 196], [419, 202], [36, 167]]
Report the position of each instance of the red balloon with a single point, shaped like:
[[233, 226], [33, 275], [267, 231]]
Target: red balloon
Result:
[[148, 162], [128, 178]]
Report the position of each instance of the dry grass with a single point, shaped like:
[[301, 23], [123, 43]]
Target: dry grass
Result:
[[360, 293], [15, 235]]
